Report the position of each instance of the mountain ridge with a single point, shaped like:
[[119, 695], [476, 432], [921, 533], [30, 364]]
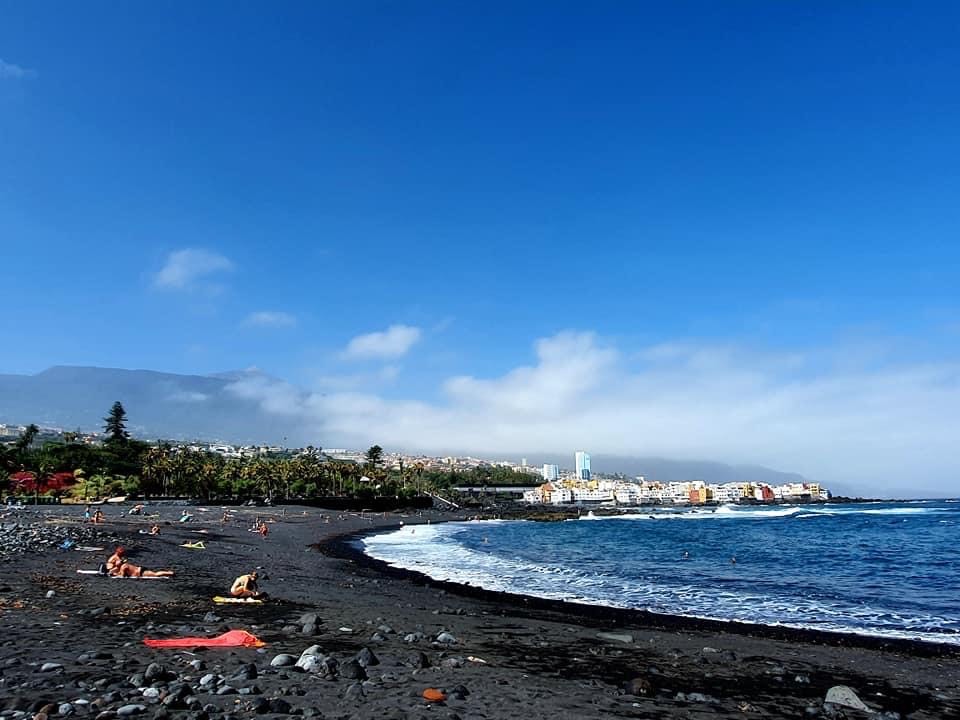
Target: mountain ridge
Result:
[[203, 407]]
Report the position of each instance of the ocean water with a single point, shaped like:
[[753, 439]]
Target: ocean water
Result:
[[885, 569]]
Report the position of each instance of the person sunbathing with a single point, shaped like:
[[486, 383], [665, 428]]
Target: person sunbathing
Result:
[[245, 586], [119, 566], [155, 530]]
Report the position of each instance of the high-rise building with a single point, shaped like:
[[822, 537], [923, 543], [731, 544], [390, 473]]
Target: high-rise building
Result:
[[551, 472], [583, 465]]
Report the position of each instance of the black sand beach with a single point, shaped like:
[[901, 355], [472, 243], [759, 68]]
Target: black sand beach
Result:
[[376, 638]]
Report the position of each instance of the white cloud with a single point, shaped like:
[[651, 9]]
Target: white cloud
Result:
[[268, 318], [868, 427], [393, 342], [353, 381], [14, 72], [184, 268], [189, 396]]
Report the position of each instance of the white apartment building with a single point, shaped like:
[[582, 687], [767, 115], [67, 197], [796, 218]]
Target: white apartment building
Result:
[[582, 465]]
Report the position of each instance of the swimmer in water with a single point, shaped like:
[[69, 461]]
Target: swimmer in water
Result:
[[733, 560], [686, 555]]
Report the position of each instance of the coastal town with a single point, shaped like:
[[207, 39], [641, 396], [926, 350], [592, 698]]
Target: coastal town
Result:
[[581, 487], [549, 484]]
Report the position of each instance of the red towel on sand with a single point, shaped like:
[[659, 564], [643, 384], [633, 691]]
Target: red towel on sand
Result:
[[232, 638]]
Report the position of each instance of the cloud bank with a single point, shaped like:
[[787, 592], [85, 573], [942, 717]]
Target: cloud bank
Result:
[[185, 268], [872, 427], [393, 342]]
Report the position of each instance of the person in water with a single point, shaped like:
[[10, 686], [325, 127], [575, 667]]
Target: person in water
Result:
[[245, 586], [119, 566]]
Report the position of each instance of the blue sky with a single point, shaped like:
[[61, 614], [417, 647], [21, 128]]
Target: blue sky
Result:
[[435, 205]]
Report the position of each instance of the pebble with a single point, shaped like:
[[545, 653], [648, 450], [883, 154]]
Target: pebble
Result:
[[694, 697], [445, 638], [280, 706], [616, 637], [259, 705], [352, 671], [154, 672], [845, 696], [366, 658], [128, 710], [639, 686], [355, 692], [417, 660], [50, 667], [283, 660]]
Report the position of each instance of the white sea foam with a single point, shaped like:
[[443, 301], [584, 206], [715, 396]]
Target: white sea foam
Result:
[[727, 512], [434, 550]]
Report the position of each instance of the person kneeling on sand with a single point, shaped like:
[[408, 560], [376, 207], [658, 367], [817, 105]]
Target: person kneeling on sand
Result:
[[119, 566], [245, 586]]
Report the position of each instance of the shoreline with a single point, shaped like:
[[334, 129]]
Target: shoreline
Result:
[[343, 547]]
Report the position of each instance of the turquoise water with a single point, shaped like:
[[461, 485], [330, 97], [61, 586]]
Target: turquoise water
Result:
[[886, 569]]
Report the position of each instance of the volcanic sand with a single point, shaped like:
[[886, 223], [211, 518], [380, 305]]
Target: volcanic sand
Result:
[[492, 655]]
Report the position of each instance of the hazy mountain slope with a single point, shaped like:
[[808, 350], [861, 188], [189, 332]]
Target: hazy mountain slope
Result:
[[157, 404], [167, 405]]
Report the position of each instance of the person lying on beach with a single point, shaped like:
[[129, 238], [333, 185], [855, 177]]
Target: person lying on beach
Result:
[[155, 530], [245, 586], [263, 530], [136, 510], [119, 566]]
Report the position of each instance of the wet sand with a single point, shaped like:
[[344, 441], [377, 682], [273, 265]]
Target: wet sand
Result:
[[493, 655]]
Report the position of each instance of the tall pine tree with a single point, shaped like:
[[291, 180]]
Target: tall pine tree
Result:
[[116, 424]]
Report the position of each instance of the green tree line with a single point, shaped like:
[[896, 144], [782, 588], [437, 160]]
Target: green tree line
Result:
[[125, 466]]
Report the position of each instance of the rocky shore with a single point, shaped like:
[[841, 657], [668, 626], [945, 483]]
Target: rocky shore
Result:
[[348, 638]]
